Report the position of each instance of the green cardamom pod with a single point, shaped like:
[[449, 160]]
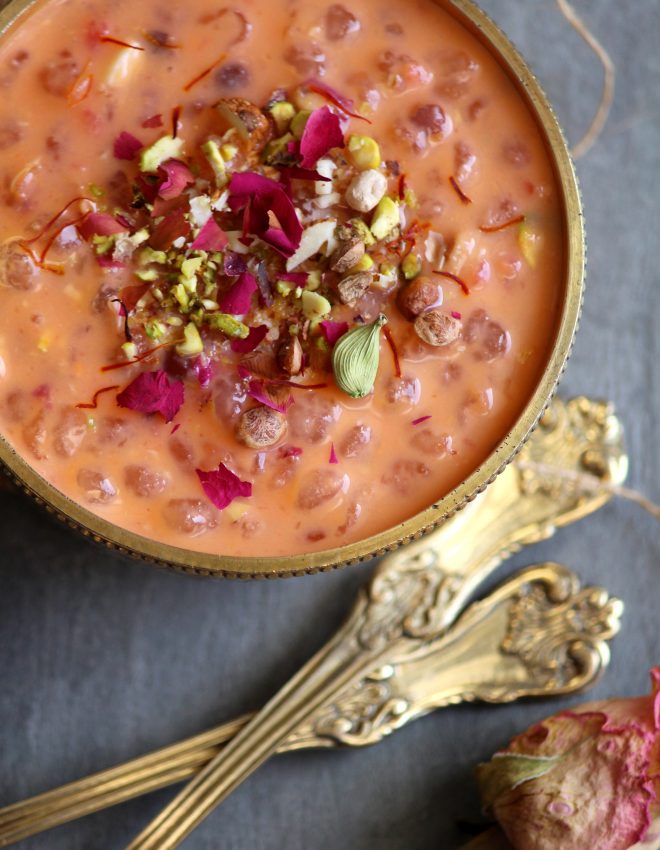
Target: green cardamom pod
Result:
[[355, 358]]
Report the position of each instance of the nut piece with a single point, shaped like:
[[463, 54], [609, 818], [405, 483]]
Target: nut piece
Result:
[[290, 356], [420, 295], [365, 190], [347, 255], [437, 328], [260, 427], [353, 287], [249, 121]]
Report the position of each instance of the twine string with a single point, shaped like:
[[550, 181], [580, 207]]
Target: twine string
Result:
[[593, 484], [607, 96]]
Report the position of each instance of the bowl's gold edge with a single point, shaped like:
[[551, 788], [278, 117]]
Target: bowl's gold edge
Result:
[[201, 563]]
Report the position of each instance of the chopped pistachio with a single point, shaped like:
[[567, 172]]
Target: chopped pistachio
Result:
[[282, 113], [130, 350], [154, 329], [235, 511], [181, 295], [322, 343], [363, 264], [148, 255], [192, 342], [277, 148], [209, 304], [97, 191], [529, 241], [167, 147], [410, 198], [91, 423], [228, 152], [227, 324], [411, 265], [43, 343], [298, 291], [175, 321], [103, 244], [364, 152], [356, 227], [217, 163], [294, 330], [147, 274], [139, 236], [157, 293], [283, 287], [315, 306], [385, 219], [298, 123], [191, 266], [313, 280]]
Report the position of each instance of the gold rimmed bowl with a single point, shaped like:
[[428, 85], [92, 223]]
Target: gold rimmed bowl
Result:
[[201, 563]]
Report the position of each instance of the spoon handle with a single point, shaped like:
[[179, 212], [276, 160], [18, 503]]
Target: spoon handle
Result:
[[538, 634]]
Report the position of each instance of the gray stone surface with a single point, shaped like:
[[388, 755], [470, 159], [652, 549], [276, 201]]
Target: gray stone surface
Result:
[[102, 659]]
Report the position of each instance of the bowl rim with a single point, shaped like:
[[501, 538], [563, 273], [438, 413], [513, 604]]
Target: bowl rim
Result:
[[470, 15]]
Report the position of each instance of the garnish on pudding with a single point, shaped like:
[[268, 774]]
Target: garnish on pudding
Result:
[[274, 279]]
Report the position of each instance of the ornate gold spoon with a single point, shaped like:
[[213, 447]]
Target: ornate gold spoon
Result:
[[414, 596]]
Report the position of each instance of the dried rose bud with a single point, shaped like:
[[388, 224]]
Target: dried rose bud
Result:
[[582, 779], [353, 287], [290, 356], [420, 295], [437, 328], [346, 255], [260, 427]]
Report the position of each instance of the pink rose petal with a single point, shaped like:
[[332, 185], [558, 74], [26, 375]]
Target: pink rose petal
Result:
[[210, 238], [173, 226], [153, 121], [322, 133], [258, 390], [177, 176], [126, 146], [258, 196], [297, 278], [421, 419], [202, 368], [333, 331], [152, 392], [222, 486], [333, 454], [237, 300], [234, 264], [251, 341], [100, 224]]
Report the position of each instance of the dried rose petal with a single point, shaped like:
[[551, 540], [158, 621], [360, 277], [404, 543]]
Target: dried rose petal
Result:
[[107, 262], [170, 228], [177, 176], [237, 300], [209, 238], [339, 100], [100, 224], [333, 454], [322, 133], [153, 121], [222, 486], [126, 146], [258, 196], [251, 341], [580, 779], [421, 419], [297, 278], [152, 392], [234, 264], [202, 368], [333, 331], [258, 390]]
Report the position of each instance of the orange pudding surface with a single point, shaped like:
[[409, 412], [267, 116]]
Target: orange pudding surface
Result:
[[440, 107]]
